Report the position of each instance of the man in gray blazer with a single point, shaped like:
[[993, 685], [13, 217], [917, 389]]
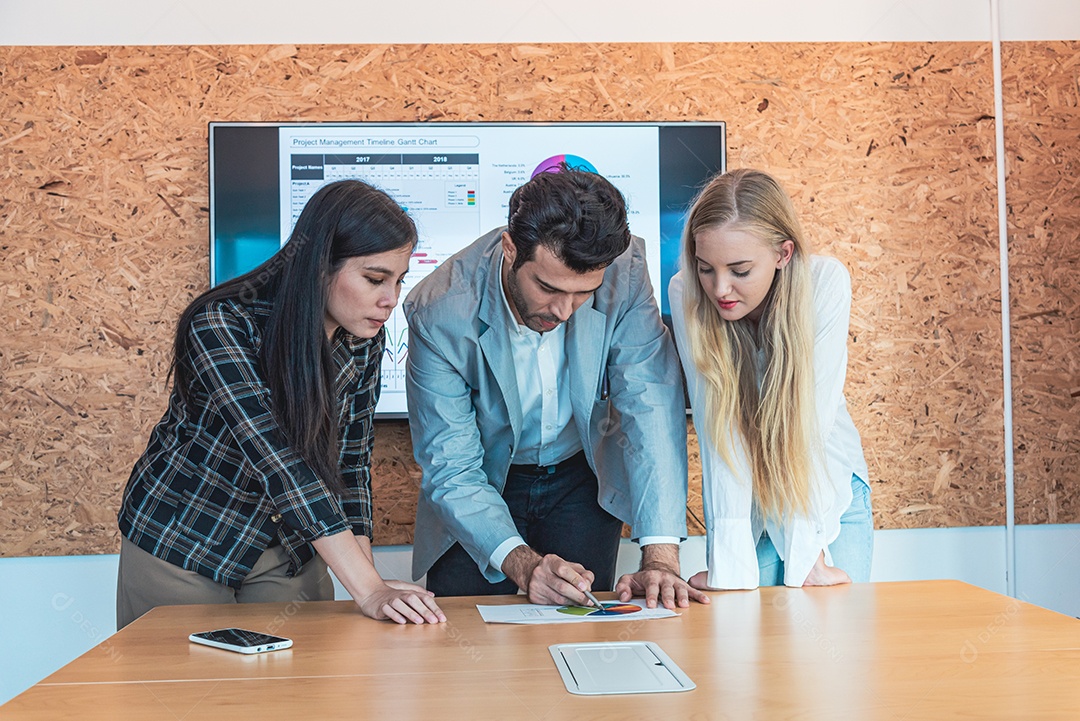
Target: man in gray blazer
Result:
[[546, 407]]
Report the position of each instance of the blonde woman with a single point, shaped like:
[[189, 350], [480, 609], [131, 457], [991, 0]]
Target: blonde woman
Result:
[[761, 327]]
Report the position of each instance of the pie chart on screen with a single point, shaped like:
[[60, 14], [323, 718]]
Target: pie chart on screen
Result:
[[574, 161]]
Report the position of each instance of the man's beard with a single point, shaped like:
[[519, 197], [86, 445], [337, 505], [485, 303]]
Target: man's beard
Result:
[[531, 321]]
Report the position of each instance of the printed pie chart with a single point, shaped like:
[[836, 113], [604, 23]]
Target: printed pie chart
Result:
[[608, 609], [574, 161]]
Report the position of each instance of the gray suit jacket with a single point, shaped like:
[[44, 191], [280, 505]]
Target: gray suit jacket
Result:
[[465, 414]]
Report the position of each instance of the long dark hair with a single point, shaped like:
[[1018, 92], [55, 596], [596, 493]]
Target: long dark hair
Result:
[[342, 220]]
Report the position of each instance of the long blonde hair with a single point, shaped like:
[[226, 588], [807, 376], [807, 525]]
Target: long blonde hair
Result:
[[775, 422]]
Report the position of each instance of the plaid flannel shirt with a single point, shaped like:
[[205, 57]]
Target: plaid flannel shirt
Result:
[[218, 481]]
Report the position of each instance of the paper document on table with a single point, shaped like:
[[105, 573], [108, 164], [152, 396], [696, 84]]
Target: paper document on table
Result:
[[533, 613]]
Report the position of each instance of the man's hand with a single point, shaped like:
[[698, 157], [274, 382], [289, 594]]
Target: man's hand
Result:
[[548, 580], [658, 579]]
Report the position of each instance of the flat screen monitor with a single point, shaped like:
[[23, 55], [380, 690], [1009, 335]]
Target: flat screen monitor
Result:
[[455, 180]]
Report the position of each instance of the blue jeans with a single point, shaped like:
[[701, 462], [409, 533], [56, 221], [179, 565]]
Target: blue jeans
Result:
[[852, 551], [555, 511]]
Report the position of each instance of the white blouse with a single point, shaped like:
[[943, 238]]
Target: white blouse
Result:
[[732, 525]]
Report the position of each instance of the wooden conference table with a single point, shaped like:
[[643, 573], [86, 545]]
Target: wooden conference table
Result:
[[918, 650]]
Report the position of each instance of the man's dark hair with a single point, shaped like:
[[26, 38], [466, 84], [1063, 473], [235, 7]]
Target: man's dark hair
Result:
[[576, 214]]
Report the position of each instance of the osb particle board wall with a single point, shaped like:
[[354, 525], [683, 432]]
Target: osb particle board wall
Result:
[[1042, 138], [886, 148]]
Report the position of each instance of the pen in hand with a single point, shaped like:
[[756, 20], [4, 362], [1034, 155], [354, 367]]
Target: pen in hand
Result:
[[592, 599]]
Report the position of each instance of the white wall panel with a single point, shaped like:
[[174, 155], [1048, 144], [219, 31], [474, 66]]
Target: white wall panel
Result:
[[183, 22]]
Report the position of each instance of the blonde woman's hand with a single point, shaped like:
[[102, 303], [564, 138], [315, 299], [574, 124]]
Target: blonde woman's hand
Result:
[[823, 575], [700, 581]]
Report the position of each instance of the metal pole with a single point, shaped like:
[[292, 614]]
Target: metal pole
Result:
[[1006, 335]]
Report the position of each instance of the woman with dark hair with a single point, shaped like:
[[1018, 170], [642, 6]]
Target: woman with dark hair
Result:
[[258, 476]]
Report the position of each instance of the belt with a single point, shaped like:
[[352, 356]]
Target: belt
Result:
[[531, 470]]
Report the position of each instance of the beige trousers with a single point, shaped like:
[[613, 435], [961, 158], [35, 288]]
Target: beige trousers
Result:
[[145, 581]]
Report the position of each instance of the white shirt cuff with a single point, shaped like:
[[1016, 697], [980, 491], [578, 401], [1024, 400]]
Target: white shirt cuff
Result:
[[731, 555], [503, 550], [650, 540], [806, 542]]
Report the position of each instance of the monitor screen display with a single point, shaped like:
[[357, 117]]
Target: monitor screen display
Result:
[[455, 180]]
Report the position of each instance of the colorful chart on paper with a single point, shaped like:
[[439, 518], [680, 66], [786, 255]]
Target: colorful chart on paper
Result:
[[608, 609], [611, 611]]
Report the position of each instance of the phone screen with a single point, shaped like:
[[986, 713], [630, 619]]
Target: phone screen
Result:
[[240, 637]]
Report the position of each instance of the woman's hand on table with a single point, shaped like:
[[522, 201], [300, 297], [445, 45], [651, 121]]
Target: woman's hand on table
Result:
[[823, 575], [402, 602]]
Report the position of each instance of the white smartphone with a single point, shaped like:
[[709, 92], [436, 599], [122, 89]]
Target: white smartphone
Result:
[[241, 640]]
